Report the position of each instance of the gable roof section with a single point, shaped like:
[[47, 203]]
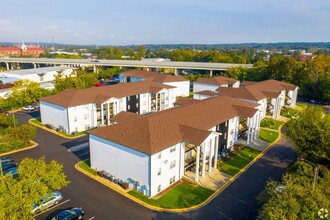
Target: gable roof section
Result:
[[194, 135], [257, 91], [218, 80], [126, 116], [156, 132], [154, 76], [76, 97]]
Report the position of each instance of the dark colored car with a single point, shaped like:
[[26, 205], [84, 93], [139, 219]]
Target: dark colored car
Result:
[[70, 214], [8, 165], [12, 170], [6, 159]]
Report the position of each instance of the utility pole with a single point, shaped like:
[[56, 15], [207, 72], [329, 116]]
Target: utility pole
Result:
[[53, 43]]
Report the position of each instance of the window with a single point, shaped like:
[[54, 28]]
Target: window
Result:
[[128, 98], [172, 149], [144, 112], [137, 96], [144, 103], [75, 119], [159, 155], [159, 188], [87, 127], [86, 116], [128, 107], [172, 180], [172, 165], [137, 105], [159, 171]]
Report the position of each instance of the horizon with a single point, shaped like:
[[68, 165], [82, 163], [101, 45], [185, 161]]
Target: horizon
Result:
[[164, 22]]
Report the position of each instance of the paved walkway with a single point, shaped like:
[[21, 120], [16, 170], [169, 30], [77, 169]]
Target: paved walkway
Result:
[[214, 180], [257, 144]]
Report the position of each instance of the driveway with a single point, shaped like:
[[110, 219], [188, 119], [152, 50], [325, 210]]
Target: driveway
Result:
[[237, 201]]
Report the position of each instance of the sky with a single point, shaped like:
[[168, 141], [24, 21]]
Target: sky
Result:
[[127, 22]]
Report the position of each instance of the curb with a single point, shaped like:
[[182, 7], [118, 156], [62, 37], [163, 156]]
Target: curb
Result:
[[209, 199], [34, 144], [52, 131]]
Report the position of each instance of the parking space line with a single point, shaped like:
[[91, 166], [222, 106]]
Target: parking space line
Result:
[[52, 208], [91, 218], [84, 139], [79, 155]]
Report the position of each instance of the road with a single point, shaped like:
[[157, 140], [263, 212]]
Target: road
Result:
[[237, 201]]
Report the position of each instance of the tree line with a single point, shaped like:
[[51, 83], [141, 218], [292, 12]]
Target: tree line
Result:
[[312, 76]]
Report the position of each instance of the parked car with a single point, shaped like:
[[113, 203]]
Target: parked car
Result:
[[8, 165], [6, 159], [70, 214], [35, 105], [12, 170], [47, 201], [28, 108]]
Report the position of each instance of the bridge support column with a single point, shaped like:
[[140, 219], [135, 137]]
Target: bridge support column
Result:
[[211, 73], [176, 71], [94, 69], [34, 65], [8, 66]]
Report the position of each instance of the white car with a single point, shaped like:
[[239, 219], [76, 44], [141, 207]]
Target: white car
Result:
[[47, 201], [28, 108]]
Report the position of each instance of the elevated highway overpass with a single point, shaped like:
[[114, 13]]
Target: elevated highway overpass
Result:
[[124, 63]]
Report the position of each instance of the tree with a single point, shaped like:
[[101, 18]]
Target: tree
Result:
[[310, 133], [298, 199], [25, 133], [36, 179]]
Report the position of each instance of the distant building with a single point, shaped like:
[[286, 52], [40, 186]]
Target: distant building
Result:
[[21, 50]]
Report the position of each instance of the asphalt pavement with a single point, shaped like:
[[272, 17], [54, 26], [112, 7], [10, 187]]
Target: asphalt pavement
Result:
[[237, 201]]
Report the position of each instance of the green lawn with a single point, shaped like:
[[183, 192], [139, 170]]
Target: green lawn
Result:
[[267, 135], [239, 161], [289, 112], [181, 196], [85, 165], [271, 123], [302, 105]]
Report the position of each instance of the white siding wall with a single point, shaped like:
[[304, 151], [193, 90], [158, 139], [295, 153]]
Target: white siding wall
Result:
[[81, 117], [262, 107], [145, 103], [122, 162], [201, 97], [182, 88], [197, 87], [163, 163], [54, 115], [232, 131], [236, 84]]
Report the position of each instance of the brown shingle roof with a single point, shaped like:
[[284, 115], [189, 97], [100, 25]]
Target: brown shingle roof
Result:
[[161, 130], [126, 116], [194, 135], [154, 76], [218, 80], [70, 98], [257, 91], [208, 92], [185, 101]]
